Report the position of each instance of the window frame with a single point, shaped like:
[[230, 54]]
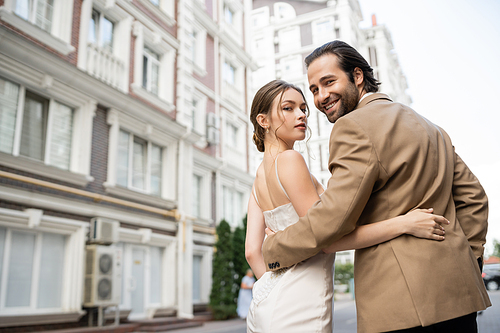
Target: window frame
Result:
[[59, 36], [121, 121], [34, 221], [78, 172], [147, 164], [145, 38]]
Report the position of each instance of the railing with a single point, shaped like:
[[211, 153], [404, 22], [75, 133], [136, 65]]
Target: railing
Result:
[[103, 65]]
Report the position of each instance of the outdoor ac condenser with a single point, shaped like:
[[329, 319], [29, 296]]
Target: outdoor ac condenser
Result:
[[103, 272], [103, 231]]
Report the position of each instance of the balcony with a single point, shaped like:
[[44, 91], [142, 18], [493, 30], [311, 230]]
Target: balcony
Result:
[[103, 65]]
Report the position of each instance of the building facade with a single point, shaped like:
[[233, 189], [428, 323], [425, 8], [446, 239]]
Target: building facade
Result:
[[285, 32], [123, 123]]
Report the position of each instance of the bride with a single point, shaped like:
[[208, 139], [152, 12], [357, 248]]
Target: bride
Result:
[[300, 298]]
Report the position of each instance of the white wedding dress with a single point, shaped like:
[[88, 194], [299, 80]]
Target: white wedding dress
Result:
[[295, 299]]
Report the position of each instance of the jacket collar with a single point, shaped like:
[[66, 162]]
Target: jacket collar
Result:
[[371, 98]]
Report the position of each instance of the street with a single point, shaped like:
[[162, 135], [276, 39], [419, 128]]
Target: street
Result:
[[345, 319]]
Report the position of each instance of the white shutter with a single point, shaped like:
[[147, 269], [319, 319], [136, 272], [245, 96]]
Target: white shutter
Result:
[[122, 159], [34, 127], [9, 95], [139, 163], [50, 281], [60, 139], [156, 153]]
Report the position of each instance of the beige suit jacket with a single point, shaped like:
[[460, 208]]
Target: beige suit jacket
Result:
[[385, 160]]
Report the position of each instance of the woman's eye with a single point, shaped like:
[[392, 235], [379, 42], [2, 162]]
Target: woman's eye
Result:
[[303, 110], [287, 108]]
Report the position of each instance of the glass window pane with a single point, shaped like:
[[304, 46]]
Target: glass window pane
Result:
[[20, 269], [139, 163], [155, 291], [43, 15], [51, 271], [9, 94], [155, 2], [34, 127], [106, 31], [93, 27], [62, 129], [23, 8], [145, 72], [156, 153], [122, 159], [155, 71], [197, 260]]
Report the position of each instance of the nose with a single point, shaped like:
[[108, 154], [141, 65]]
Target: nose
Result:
[[323, 95], [301, 115]]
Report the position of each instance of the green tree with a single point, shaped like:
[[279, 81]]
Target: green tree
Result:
[[239, 260], [343, 273], [222, 301], [496, 248]]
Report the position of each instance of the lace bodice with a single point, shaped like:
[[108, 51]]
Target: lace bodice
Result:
[[281, 217]]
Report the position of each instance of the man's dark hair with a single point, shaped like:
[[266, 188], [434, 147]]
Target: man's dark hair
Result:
[[348, 59]]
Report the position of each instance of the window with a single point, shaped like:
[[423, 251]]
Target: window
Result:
[[260, 17], [38, 12], [232, 135], [32, 273], [139, 164], [232, 206], [155, 276], [150, 71], [155, 2], [101, 30], [228, 15], [373, 56], [196, 195], [322, 31], [289, 39], [191, 46], [283, 11], [229, 73], [197, 277], [34, 126]]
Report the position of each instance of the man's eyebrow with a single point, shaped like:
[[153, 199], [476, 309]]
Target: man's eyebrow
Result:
[[326, 77]]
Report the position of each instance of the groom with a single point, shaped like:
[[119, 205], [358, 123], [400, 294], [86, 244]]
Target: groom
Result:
[[386, 160]]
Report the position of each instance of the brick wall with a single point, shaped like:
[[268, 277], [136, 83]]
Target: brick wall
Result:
[[209, 79]]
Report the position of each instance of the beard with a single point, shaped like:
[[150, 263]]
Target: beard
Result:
[[349, 99]]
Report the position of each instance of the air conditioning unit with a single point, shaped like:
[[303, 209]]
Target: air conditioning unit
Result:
[[103, 231], [213, 120], [103, 275], [212, 135]]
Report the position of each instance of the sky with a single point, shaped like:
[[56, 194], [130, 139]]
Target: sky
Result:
[[449, 51]]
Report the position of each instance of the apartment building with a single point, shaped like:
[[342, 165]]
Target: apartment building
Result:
[[285, 32], [123, 123]]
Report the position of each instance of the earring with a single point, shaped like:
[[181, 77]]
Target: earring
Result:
[[267, 130]]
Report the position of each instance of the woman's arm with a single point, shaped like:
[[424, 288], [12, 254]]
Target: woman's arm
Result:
[[255, 238], [419, 223]]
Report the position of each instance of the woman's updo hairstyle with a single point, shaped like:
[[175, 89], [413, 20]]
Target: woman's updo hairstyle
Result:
[[263, 103]]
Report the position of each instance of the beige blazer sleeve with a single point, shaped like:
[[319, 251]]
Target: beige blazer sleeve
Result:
[[471, 204], [355, 169]]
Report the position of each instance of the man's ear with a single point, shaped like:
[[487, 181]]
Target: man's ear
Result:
[[262, 120], [358, 77]]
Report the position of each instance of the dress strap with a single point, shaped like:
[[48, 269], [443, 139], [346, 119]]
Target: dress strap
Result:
[[278, 177], [255, 196]]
